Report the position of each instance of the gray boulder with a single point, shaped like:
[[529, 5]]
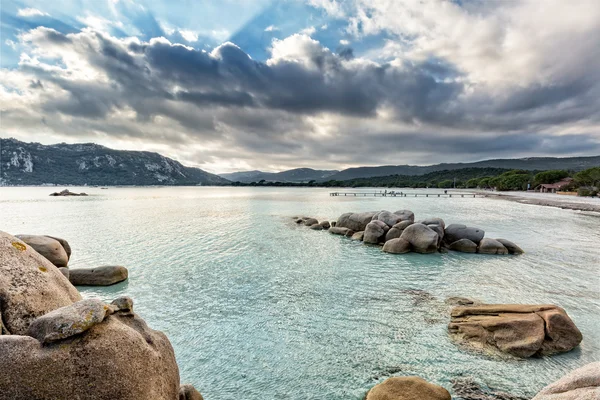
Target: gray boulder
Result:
[[511, 247], [64, 244], [421, 238], [48, 247], [355, 221], [464, 245], [389, 218], [375, 232], [336, 230], [491, 246], [396, 246], [30, 285], [434, 221], [325, 224], [333, 224], [406, 215], [68, 321], [358, 236], [64, 271], [316, 227], [580, 384], [454, 232], [98, 276], [396, 230], [310, 221]]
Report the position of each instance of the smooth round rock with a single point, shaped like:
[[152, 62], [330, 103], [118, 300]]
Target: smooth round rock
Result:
[[491, 246], [511, 247], [407, 388], [464, 246], [422, 238], [396, 246], [48, 247], [455, 232], [98, 276]]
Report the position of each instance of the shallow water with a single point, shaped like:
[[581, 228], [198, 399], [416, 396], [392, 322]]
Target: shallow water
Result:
[[259, 308]]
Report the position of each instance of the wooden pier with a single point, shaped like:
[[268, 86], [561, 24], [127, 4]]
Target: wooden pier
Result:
[[402, 194]]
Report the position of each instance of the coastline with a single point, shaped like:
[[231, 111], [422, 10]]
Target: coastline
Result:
[[562, 202]]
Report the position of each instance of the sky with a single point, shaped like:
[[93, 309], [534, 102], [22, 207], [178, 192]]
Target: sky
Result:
[[235, 85]]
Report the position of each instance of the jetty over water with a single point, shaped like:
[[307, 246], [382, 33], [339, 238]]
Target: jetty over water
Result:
[[403, 194]]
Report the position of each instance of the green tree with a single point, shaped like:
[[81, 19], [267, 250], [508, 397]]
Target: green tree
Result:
[[588, 177], [445, 184], [551, 176]]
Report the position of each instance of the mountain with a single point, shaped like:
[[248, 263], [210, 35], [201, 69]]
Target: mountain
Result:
[[293, 175], [529, 164], [91, 164]]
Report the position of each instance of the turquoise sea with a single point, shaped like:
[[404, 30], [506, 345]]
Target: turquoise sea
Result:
[[259, 308]]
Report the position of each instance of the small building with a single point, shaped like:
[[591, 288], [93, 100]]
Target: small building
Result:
[[554, 187]]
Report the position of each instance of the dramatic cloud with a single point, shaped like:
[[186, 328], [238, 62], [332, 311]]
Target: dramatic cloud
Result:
[[31, 12], [449, 83]]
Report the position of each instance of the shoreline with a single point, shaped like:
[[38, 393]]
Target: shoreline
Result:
[[565, 205]]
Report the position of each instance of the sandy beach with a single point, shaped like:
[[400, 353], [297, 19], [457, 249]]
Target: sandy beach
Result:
[[567, 202]]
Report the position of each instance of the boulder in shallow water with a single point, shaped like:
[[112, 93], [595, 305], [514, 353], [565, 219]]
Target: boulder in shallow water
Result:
[[355, 221], [358, 236], [68, 321], [375, 232], [396, 246], [316, 227], [464, 245], [516, 329], [30, 285], [118, 358], [48, 247], [311, 221], [511, 247], [325, 224], [98, 276], [491, 246], [188, 392], [336, 230], [407, 388], [421, 238], [67, 192], [455, 232], [580, 384], [64, 244]]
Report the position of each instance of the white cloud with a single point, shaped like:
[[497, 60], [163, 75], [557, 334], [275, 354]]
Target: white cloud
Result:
[[98, 23], [308, 31], [11, 44], [189, 35], [344, 42], [31, 12], [331, 7], [271, 28], [323, 27]]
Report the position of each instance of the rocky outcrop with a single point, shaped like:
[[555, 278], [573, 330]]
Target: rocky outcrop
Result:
[[421, 238], [391, 219], [52, 249], [581, 384], [375, 232], [396, 246], [115, 357], [67, 192], [355, 221], [30, 285], [491, 246], [511, 247], [455, 232], [464, 246], [407, 388], [311, 221], [396, 230], [316, 227], [336, 230], [98, 276], [519, 330]]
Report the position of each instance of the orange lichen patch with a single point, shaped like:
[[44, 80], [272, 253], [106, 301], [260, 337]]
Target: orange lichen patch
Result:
[[19, 246], [42, 268]]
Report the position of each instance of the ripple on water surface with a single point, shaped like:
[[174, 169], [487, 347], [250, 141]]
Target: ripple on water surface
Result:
[[259, 308]]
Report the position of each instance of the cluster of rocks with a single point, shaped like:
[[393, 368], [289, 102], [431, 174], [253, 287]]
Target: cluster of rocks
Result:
[[398, 233], [581, 384], [58, 252], [105, 351], [67, 192]]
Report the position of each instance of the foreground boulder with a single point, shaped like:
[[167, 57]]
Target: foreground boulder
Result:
[[407, 388], [421, 238], [355, 221], [581, 384], [52, 249], [98, 276], [30, 285], [455, 232], [396, 246], [117, 357], [519, 330], [375, 232], [491, 246]]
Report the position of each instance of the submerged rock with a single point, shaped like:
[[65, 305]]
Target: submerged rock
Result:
[[48, 247], [516, 329], [580, 384], [421, 238], [30, 285], [491, 246], [98, 276], [467, 389], [407, 388], [396, 246]]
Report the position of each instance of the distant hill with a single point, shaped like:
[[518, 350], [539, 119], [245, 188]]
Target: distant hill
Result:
[[91, 164], [293, 175], [529, 164]]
